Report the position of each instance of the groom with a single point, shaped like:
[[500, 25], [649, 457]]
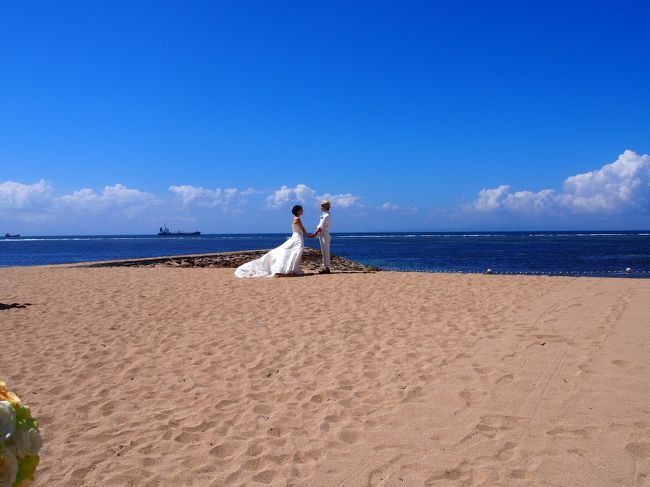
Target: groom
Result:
[[323, 233]]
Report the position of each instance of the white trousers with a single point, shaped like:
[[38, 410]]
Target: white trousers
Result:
[[324, 239]]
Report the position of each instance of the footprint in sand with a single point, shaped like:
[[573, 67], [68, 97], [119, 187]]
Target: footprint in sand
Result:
[[265, 476], [510, 355], [451, 474], [584, 369], [225, 450], [349, 436], [494, 425], [505, 379], [562, 432], [520, 474], [507, 452], [263, 409], [638, 450], [483, 370], [187, 437], [620, 363], [471, 397]]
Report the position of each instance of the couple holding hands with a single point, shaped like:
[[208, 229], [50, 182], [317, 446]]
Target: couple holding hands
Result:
[[285, 259]]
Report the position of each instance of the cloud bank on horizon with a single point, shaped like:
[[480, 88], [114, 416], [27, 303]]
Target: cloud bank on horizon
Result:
[[618, 188], [38, 201]]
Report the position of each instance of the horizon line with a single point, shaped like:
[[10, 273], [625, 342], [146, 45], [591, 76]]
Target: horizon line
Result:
[[333, 233]]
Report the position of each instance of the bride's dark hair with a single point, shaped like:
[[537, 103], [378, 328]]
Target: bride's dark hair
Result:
[[295, 209]]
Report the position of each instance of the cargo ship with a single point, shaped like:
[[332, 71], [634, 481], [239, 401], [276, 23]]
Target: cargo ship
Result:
[[166, 232]]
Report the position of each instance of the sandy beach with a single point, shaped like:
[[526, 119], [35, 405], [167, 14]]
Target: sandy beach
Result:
[[169, 376]]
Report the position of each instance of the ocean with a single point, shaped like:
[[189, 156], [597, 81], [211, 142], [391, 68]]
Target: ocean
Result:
[[606, 254]]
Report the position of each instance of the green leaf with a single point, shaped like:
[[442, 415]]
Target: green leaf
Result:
[[26, 469], [24, 418]]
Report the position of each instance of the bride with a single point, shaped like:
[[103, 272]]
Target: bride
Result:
[[283, 260]]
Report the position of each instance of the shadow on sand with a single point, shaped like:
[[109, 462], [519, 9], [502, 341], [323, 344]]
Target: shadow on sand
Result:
[[13, 305]]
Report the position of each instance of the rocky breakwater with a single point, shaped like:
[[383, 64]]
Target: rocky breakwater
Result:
[[311, 261]]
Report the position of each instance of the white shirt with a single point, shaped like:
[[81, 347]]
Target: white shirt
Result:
[[324, 223]]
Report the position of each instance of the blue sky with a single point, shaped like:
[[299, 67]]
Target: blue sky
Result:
[[120, 116]]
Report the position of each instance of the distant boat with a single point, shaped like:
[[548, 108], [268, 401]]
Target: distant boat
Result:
[[165, 232], [8, 235]]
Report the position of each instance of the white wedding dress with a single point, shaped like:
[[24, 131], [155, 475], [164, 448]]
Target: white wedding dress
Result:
[[284, 259]]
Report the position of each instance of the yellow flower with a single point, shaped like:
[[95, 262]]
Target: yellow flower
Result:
[[7, 395]]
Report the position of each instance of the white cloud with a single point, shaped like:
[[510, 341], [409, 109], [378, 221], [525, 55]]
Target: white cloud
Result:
[[18, 196], [127, 202], [80, 198], [618, 187], [345, 200], [225, 199], [502, 198], [302, 193], [623, 184], [250, 191], [388, 206], [38, 201], [285, 195]]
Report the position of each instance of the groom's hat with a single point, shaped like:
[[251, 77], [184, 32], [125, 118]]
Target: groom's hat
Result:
[[325, 203]]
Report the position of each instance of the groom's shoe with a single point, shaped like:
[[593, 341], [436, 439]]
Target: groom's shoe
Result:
[[324, 271]]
